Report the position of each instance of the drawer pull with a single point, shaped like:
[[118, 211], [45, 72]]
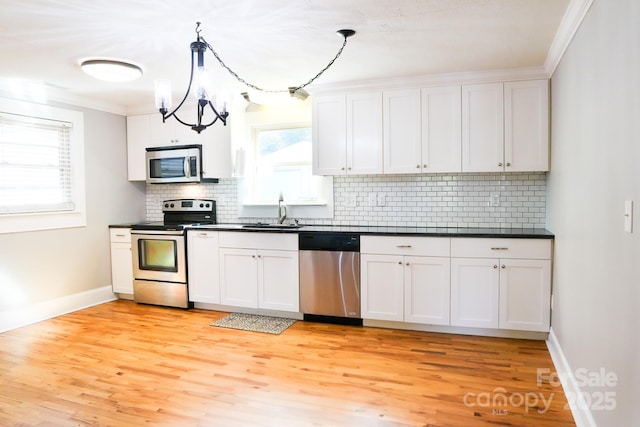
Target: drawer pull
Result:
[[499, 249], [119, 235], [403, 246]]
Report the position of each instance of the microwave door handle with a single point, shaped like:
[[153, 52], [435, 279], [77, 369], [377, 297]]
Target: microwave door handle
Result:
[[187, 169]]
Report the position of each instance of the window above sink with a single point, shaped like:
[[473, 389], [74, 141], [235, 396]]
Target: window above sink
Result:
[[278, 156]]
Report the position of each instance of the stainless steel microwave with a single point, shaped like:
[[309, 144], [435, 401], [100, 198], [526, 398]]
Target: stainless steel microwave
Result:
[[174, 164]]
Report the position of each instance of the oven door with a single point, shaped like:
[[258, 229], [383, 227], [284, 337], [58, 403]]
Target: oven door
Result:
[[159, 255]]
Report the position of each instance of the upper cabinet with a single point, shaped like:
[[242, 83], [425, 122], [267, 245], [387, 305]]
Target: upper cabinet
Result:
[[347, 134], [422, 130], [402, 127], [148, 130], [526, 125], [505, 127], [491, 127]]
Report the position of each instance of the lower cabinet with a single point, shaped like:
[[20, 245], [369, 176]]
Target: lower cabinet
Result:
[[403, 284], [259, 270], [512, 291], [204, 280], [121, 262]]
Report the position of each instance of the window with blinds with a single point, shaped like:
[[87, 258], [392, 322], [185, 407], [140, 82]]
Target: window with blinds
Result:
[[35, 165]]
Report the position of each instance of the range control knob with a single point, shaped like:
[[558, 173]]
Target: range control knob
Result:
[[172, 205], [202, 205], [166, 205]]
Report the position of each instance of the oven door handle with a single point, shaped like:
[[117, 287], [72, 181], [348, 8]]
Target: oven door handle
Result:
[[157, 232]]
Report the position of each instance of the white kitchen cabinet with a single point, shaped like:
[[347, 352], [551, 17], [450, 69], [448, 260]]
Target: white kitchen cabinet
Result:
[[474, 292], [526, 126], [402, 141], [238, 277], [347, 134], [259, 270], [441, 130], [121, 261], [483, 128], [505, 127], [525, 294], [402, 280], [501, 283], [148, 130], [203, 268], [382, 286]]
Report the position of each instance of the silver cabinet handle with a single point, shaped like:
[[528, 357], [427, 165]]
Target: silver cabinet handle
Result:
[[500, 164], [508, 163], [495, 266], [499, 249], [399, 262], [424, 166], [407, 264], [403, 246], [418, 166], [119, 235], [503, 266]]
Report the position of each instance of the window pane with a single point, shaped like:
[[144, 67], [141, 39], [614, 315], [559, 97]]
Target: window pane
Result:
[[284, 165], [35, 165]]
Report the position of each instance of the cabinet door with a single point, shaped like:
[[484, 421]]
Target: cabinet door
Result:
[[402, 131], [441, 129], [482, 128], [364, 133], [239, 277], [216, 151], [526, 125], [278, 287], [427, 290], [137, 141], [382, 278], [525, 294], [329, 132], [474, 292], [121, 268], [203, 267]]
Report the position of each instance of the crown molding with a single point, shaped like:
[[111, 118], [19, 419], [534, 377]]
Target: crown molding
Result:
[[471, 77], [569, 25]]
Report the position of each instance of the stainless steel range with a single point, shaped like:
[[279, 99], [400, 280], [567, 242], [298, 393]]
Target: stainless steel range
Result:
[[159, 252]]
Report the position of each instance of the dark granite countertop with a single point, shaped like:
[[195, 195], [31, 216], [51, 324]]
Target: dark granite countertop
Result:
[[529, 233]]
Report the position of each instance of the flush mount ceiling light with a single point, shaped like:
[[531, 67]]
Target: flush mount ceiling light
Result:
[[201, 81], [111, 70]]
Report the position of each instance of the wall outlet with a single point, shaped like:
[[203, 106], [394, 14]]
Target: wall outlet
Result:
[[494, 199], [373, 199]]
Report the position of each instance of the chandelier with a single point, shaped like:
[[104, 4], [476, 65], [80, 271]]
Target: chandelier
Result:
[[199, 79]]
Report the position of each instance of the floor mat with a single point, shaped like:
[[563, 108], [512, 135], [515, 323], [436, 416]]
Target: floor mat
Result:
[[254, 323]]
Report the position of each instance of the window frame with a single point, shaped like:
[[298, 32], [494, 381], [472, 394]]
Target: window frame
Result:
[[321, 208], [35, 221]]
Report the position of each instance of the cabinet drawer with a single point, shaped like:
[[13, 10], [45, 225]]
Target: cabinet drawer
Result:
[[120, 235], [407, 245], [259, 240], [501, 248]]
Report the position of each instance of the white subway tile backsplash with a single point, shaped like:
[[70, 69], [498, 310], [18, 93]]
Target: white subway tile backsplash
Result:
[[457, 200]]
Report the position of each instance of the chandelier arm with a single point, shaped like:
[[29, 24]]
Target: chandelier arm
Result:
[[173, 113], [252, 86]]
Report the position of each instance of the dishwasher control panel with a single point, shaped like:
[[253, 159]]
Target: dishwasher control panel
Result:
[[327, 241]]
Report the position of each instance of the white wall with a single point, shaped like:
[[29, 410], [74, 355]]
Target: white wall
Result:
[[595, 168], [41, 266]]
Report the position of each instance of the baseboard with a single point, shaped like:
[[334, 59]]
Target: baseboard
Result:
[[27, 315], [581, 413]]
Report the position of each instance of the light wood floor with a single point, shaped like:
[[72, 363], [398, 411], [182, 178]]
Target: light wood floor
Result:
[[124, 364]]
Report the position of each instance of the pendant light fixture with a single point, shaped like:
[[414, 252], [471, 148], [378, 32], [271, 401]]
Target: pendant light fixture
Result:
[[201, 82]]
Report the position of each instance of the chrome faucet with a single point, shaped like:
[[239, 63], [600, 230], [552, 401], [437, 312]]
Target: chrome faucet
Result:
[[282, 209]]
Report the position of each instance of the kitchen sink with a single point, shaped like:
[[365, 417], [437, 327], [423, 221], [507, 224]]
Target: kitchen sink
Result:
[[272, 226]]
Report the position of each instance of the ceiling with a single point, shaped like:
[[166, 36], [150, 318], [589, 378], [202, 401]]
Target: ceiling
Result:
[[270, 43]]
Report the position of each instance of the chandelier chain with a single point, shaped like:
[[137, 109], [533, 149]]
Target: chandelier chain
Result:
[[252, 86]]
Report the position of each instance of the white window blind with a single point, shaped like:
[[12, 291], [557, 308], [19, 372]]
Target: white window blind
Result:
[[35, 165]]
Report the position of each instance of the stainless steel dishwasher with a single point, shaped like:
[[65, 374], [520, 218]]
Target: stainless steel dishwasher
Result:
[[330, 277]]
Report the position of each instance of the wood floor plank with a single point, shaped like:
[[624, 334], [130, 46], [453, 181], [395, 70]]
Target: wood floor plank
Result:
[[125, 364]]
